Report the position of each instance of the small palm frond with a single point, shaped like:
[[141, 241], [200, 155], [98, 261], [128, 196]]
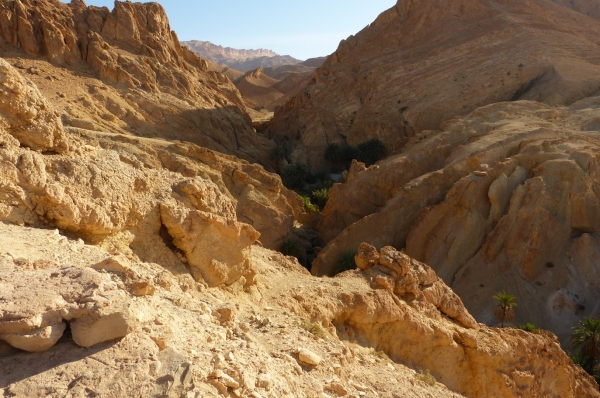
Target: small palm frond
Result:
[[506, 300]]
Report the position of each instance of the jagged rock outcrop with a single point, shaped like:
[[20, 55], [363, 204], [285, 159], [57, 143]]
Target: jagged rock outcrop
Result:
[[128, 200], [422, 62], [152, 87], [399, 306], [503, 199], [26, 114], [405, 277]]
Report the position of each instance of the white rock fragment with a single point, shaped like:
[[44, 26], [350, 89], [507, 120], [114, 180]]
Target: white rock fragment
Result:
[[308, 357]]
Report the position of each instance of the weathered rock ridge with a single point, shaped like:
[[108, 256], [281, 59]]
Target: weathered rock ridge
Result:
[[154, 86], [242, 60], [423, 62], [503, 199]]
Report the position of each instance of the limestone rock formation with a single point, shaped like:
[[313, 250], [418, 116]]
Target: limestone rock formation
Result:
[[404, 276], [422, 62], [125, 71], [503, 199], [27, 115], [97, 311], [153, 201], [289, 333], [420, 321]]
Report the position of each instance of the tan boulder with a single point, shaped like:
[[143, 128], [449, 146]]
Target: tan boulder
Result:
[[92, 303], [27, 115], [40, 339], [217, 248], [308, 357], [104, 325]]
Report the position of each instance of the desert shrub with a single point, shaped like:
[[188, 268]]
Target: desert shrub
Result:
[[278, 153], [427, 377], [308, 205], [334, 153], [585, 337], [346, 261], [320, 197], [349, 153], [324, 176], [371, 151], [579, 358], [379, 354], [528, 327], [504, 310], [313, 328], [289, 247], [294, 175]]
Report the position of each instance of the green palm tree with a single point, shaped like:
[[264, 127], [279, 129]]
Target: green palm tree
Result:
[[586, 337], [504, 310]]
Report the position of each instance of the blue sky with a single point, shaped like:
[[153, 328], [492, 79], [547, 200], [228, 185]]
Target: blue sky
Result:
[[302, 29]]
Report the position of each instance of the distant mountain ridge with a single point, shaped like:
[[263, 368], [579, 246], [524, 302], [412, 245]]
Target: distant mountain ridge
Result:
[[242, 60]]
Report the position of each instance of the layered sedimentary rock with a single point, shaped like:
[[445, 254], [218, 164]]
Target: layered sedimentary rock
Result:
[[503, 199], [149, 85], [422, 62], [243, 60]]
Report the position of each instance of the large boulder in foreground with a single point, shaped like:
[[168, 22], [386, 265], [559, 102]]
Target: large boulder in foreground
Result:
[[37, 304]]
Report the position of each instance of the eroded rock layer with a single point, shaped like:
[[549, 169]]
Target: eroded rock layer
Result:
[[168, 203], [423, 62], [503, 199]]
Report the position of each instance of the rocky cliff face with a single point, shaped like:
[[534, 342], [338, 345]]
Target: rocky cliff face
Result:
[[503, 199], [150, 85], [242, 60], [222, 55], [422, 62]]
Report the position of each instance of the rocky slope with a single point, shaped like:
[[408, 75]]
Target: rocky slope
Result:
[[242, 60], [124, 71], [139, 196], [285, 333], [422, 62], [503, 199], [263, 92]]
